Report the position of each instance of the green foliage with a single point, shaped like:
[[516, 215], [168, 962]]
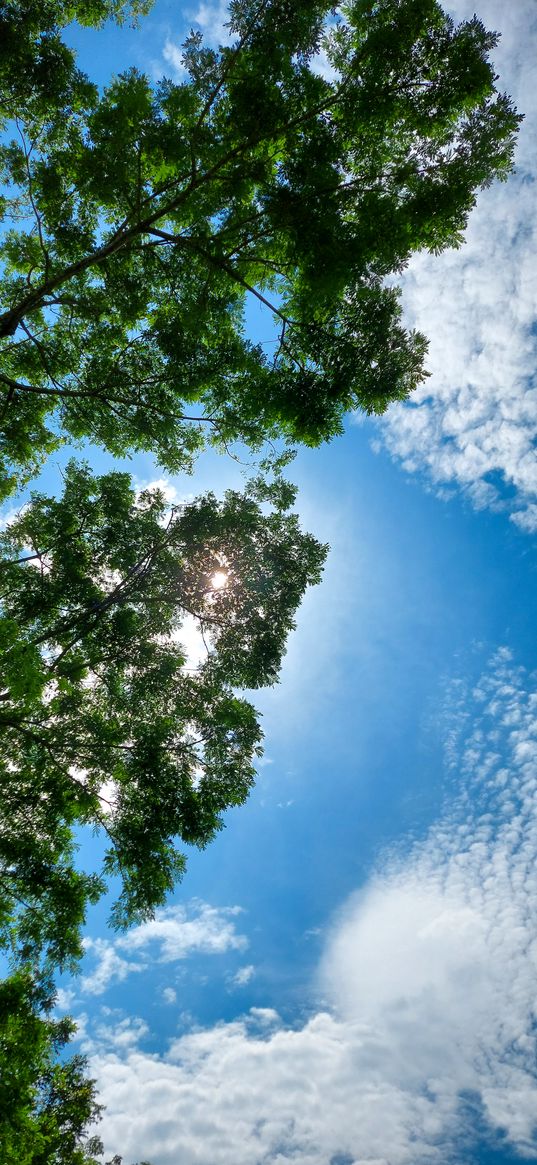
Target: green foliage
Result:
[[139, 222], [37, 70], [46, 1105], [103, 720]]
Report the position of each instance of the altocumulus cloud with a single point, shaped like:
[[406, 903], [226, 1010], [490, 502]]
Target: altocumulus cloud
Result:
[[428, 979], [473, 425]]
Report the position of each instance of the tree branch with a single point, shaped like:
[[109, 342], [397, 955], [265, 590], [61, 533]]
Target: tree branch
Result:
[[125, 233], [216, 261]]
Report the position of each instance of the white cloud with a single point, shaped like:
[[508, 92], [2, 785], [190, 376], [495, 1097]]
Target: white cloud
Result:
[[212, 19], [113, 1034], [175, 933], [109, 966], [474, 422], [428, 980], [243, 975], [169, 995], [81, 1028], [173, 55], [179, 931], [11, 514], [167, 488], [64, 998], [321, 65]]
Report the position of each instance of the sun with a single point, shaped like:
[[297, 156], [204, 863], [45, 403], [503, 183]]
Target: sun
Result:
[[219, 580]]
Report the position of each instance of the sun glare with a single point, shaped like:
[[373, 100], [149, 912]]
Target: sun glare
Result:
[[219, 580]]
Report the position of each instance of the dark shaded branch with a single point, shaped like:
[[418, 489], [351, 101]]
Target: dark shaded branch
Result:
[[231, 62]]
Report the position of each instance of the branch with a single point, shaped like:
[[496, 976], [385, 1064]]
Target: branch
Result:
[[17, 561], [216, 261], [42, 352], [126, 234], [232, 60], [32, 200], [91, 394], [18, 386]]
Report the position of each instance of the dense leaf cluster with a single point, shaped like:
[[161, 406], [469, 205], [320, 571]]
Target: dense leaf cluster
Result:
[[45, 1104]]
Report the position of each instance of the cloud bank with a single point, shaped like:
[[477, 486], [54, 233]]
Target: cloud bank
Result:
[[473, 425], [428, 989]]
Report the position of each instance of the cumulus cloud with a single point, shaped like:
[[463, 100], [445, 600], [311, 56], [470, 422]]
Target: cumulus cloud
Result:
[[175, 933], [166, 487], [169, 995], [121, 1035], [243, 975], [64, 998], [473, 425], [428, 988], [178, 931], [108, 966]]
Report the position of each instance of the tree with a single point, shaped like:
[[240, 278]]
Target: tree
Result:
[[46, 1105], [139, 221], [103, 719]]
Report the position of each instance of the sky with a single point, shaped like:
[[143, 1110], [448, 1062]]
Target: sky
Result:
[[347, 974]]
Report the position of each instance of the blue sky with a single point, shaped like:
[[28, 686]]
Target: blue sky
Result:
[[347, 975]]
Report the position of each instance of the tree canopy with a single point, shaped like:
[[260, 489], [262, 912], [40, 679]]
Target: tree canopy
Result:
[[139, 222], [37, 70], [103, 718]]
